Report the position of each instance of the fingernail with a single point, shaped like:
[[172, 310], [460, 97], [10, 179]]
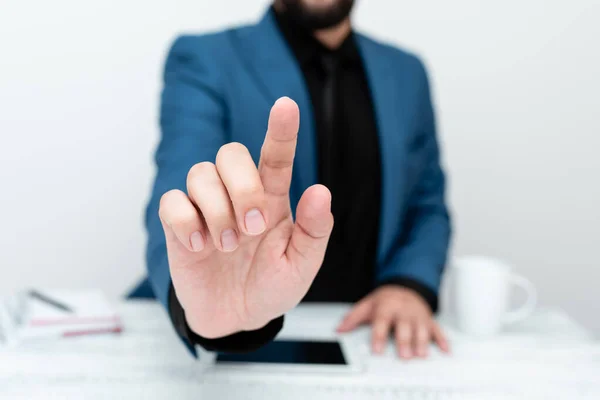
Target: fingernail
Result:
[[197, 241], [378, 348], [229, 240], [406, 353], [255, 223]]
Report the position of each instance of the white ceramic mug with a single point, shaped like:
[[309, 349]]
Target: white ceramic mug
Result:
[[482, 289]]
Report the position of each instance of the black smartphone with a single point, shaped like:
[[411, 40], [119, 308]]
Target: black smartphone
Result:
[[291, 352]]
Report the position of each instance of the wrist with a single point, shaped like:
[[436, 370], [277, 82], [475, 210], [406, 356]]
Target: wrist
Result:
[[255, 326], [424, 292], [208, 331]]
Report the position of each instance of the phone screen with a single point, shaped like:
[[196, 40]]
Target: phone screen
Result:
[[290, 352]]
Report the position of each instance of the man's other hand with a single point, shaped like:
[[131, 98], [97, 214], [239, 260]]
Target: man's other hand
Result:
[[399, 310]]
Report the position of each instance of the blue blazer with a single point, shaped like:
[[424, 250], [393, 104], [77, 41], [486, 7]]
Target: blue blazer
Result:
[[219, 88]]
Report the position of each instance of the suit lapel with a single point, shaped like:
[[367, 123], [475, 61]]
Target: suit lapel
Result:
[[278, 74], [388, 111]]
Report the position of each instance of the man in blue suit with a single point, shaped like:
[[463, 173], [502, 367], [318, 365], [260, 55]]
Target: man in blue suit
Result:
[[236, 238]]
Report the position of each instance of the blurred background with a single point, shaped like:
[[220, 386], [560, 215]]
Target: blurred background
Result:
[[516, 85]]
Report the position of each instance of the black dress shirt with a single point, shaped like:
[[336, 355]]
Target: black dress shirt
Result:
[[349, 162], [349, 165]]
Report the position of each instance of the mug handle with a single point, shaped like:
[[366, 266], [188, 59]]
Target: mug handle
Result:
[[526, 309]]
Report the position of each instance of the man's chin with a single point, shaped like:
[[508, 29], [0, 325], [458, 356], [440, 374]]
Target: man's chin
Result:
[[318, 15], [320, 6]]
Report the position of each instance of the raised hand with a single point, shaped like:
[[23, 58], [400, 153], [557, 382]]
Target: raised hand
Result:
[[237, 258]]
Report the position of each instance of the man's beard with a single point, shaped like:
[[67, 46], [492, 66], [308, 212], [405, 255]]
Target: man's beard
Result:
[[316, 19]]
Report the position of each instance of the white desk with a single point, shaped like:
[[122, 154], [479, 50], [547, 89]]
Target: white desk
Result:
[[549, 353]]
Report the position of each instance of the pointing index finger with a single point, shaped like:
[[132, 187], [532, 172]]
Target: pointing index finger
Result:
[[279, 147]]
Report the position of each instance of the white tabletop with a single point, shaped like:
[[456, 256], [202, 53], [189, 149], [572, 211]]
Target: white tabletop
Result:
[[147, 360]]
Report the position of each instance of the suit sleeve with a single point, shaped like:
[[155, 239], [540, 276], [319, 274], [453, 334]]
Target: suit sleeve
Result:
[[420, 255], [193, 118]]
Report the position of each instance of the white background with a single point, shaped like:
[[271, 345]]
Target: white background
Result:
[[516, 84]]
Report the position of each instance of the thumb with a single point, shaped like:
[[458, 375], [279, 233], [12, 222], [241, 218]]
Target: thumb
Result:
[[312, 229], [359, 314]]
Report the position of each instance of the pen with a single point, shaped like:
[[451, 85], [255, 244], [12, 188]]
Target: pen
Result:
[[45, 299]]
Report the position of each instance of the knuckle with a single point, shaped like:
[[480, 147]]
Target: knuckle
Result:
[[281, 160], [218, 216], [229, 150], [181, 220], [169, 196], [383, 313], [381, 328], [171, 211], [404, 335], [167, 200], [277, 163], [200, 170], [247, 190]]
